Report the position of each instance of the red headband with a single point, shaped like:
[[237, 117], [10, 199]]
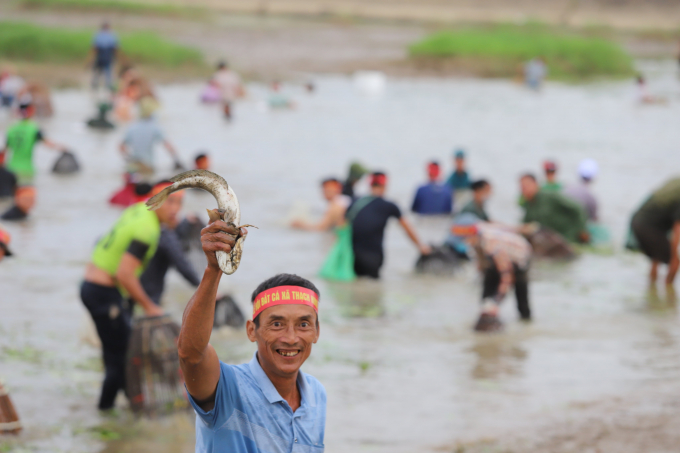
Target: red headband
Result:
[[285, 295], [379, 180]]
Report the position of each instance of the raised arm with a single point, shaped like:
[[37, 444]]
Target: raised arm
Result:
[[197, 358]]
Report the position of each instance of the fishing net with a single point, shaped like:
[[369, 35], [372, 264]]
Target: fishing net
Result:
[[227, 313], [9, 419], [66, 164], [155, 385]]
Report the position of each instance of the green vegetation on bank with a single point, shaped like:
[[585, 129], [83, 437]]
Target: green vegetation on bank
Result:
[[121, 6], [501, 50], [25, 42]]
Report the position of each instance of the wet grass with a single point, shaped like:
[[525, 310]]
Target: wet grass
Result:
[[115, 6], [500, 51], [25, 42]]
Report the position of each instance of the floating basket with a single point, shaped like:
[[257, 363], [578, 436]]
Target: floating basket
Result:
[[9, 420], [155, 385]]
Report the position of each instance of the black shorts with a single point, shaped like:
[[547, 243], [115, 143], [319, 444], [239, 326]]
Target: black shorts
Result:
[[367, 264], [653, 240]]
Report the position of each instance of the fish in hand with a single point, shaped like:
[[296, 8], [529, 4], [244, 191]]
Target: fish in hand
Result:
[[227, 210]]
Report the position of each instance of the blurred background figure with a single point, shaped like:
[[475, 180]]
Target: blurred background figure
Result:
[[643, 95], [354, 175], [551, 183], [434, 197], [337, 206], [202, 161], [24, 201], [211, 93], [459, 180], [580, 192], [481, 191], [535, 72], [37, 94], [141, 138], [553, 211], [5, 240], [10, 86], [503, 258], [103, 55], [118, 260], [20, 144], [368, 217], [8, 181], [230, 86], [656, 226], [277, 99]]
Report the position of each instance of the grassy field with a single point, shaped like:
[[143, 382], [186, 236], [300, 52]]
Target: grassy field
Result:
[[25, 42], [501, 50], [122, 6]]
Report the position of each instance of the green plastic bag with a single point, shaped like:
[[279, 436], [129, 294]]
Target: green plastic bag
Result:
[[339, 264]]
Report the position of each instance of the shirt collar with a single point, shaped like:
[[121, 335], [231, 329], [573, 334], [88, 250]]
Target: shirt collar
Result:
[[270, 392]]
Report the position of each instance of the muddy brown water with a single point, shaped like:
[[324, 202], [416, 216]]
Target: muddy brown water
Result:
[[402, 368]]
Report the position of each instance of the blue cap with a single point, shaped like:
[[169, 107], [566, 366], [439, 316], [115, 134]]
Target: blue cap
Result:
[[459, 154]]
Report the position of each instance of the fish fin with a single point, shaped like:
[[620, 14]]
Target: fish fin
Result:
[[214, 215]]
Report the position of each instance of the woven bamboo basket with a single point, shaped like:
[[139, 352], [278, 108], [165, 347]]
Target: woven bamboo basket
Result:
[[9, 419], [155, 385]]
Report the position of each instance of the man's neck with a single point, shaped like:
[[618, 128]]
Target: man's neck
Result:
[[286, 386]]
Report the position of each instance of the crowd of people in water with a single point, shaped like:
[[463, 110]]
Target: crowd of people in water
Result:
[[128, 265]]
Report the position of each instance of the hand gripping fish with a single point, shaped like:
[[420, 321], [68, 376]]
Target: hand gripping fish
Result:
[[227, 209]]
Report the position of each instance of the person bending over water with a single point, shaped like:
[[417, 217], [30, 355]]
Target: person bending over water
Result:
[[434, 197], [554, 211], [337, 205], [268, 404], [119, 258], [368, 217], [656, 226], [504, 257]]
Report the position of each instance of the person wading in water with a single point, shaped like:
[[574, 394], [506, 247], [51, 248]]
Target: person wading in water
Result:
[[118, 260], [267, 404], [369, 216]]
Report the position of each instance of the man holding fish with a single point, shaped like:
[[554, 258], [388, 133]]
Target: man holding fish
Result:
[[267, 404]]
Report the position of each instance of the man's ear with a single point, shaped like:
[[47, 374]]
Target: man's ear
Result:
[[250, 330]]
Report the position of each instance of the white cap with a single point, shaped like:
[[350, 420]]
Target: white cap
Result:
[[588, 168]]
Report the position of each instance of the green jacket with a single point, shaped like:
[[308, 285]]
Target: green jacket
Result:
[[558, 213]]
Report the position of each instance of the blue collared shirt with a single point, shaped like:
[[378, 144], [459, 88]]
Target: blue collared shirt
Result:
[[251, 417]]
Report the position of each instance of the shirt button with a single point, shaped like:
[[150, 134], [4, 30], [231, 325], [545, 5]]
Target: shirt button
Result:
[[296, 440]]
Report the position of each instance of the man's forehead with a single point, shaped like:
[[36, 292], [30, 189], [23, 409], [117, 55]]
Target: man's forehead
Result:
[[292, 311]]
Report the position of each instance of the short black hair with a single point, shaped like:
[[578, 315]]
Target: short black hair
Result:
[[200, 156], [222, 65], [479, 185], [530, 176], [329, 180], [142, 188], [283, 280]]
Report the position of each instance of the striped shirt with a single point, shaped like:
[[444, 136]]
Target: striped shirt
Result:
[[504, 245]]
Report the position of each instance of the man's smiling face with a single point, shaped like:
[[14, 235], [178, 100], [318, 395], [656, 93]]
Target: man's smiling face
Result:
[[284, 338]]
